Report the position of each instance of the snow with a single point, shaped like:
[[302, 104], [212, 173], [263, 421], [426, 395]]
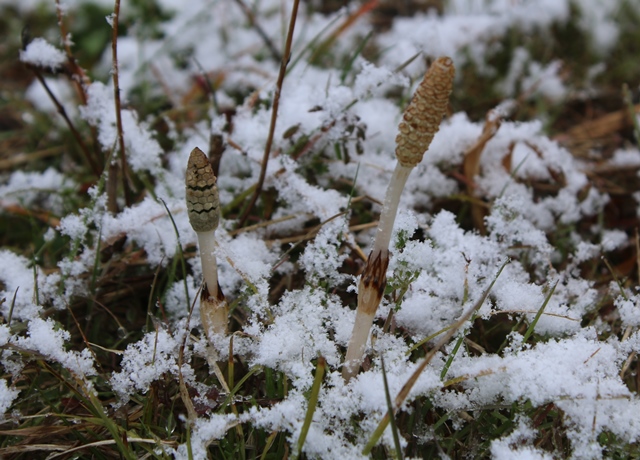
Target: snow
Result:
[[18, 282], [7, 396], [517, 444], [629, 310], [45, 338], [143, 152], [205, 431], [39, 53], [146, 361], [29, 188], [445, 268]]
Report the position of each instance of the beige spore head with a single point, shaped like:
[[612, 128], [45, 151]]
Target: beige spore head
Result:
[[422, 117], [203, 204]]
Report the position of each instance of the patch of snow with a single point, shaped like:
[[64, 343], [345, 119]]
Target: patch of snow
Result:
[[46, 338], [17, 278], [7, 396], [40, 53], [28, 188]]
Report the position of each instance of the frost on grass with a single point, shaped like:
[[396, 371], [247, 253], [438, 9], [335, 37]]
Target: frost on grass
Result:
[[301, 331], [629, 309], [322, 258], [206, 430], [46, 338], [148, 225], [34, 188], [17, 282], [143, 151], [146, 361], [579, 374], [518, 444]]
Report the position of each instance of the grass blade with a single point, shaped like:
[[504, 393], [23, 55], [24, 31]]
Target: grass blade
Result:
[[180, 253], [313, 403], [532, 326], [392, 420]]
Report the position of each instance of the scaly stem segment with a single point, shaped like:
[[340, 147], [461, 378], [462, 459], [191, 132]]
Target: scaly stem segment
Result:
[[420, 122], [374, 278], [203, 206]]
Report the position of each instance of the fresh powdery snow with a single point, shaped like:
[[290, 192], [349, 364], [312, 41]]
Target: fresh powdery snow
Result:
[[42, 54], [441, 269]]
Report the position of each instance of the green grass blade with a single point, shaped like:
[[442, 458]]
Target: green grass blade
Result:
[[180, 253], [615, 277], [532, 326], [392, 420], [349, 65], [451, 357], [313, 403], [229, 398]]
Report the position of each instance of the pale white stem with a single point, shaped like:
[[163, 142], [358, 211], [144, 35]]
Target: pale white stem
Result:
[[213, 306], [420, 121], [373, 280], [390, 207], [357, 344], [206, 243]]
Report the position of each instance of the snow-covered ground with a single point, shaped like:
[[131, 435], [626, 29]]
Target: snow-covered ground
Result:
[[575, 368]]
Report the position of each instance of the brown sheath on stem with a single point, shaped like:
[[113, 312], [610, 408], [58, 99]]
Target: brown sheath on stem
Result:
[[213, 312], [373, 282]]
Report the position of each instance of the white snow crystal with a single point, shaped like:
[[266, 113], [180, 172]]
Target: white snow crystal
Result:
[[7, 396], [144, 362], [517, 444], [18, 280], [46, 338], [40, 53]]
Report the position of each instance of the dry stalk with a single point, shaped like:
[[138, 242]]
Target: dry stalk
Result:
[[286, 56], [471, 165], [113, 168], [256, 25], [70, 71], [203, 206], [420, 122]]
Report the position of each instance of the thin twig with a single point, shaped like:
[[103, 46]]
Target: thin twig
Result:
[[75, 68], [19, 159], [274, 112], [63, 113], [116, 96], [252, 20], [80, 79]]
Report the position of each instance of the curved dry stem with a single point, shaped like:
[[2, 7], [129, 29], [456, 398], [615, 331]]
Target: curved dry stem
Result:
[[274, 112], [113, 171]]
